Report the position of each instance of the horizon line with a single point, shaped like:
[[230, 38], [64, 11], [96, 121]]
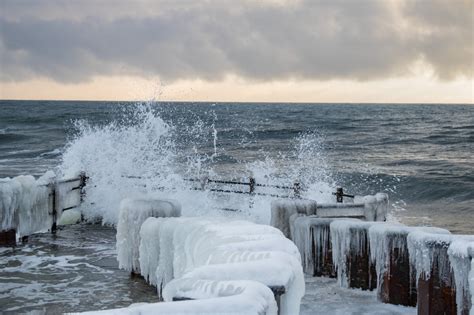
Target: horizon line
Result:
[[229, 102]]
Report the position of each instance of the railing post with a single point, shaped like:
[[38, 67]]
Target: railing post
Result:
[[297, 190], [252, 185], [55, 212]]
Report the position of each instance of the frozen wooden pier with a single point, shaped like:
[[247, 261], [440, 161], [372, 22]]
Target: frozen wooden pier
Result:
[[340, 257]]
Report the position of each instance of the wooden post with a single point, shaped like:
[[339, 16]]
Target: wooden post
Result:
[[297, 190], [252, 186], [437, 294], [54, 212], [361, 272], [398, 282], [320, 236]]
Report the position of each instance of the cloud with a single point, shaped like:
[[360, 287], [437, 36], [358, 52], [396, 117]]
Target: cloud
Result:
[[73, 41]]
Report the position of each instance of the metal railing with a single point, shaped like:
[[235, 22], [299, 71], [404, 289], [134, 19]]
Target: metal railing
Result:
[[55, 197]]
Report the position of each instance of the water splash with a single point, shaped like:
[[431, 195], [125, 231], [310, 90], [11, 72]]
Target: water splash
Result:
[[141, 153]]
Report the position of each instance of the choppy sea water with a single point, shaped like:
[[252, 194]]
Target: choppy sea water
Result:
[[421, 155]]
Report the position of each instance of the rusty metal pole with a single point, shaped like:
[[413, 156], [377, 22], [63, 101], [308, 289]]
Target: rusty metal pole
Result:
[[55, 213], [297, 190]]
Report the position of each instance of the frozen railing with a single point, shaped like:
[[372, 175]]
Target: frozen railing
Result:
[[29, 205]]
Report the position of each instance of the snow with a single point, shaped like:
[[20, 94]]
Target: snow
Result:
[[282, 210], [384, 238], [192, 254], [133, 212], [25, 204], [211, 297], [460, 253], [344, 241]]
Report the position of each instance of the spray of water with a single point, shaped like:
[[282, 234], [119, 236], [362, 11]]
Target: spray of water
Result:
[[142, 154]]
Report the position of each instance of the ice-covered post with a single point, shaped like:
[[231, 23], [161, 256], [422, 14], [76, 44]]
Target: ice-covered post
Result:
[[388, 247], [312, 237], [351, 254], [434, 272], [297, 190], [133, 212], [461, 255]]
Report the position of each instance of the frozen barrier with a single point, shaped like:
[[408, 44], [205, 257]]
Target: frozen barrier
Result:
[[368, 208], [29, 205], [201, 258], [282, 210], [389, 253], [25, 206], [313, 238], [133, 212], [438, 288], [471, 282], [461, 254], [351, 253], [210, 298]]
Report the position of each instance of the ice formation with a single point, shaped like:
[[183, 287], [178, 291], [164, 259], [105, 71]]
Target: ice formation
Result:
[[385, 238], [25, 204], [188, 253], [210, 298], [461, 253], [344, 241], [304, 240], [376, 207], [471, 283], [133, 212], [424, 248], [282, 210]]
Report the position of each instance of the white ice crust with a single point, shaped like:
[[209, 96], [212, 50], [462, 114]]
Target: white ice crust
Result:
[[282, 210], [133, 212], [344, 242], [461, 253], [25, 204], [471, 283], [211, 297], [459, 247], [210, 258], [302, 239], [383, 235]]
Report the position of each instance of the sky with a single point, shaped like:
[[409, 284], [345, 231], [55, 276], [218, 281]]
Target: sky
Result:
[[358, 51]]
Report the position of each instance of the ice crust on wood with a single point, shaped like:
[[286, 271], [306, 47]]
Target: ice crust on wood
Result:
[[282, 210], [344, 242], [385, 238], [197, 251], [471, 283], [25, 204], [461, 253], [424, 247], [133, 212], [376, 206], [303, 240]]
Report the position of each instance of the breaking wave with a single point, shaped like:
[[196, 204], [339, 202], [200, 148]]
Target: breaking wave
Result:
[[141, 153]]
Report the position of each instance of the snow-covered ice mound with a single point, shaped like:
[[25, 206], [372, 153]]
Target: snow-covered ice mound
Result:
[[133, 212], [224, 266]]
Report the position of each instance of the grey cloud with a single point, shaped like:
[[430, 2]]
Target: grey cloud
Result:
[[322, 40]]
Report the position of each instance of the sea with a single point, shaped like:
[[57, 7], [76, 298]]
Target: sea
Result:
[[420, 155]]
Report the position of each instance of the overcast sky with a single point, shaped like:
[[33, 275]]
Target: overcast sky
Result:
[[267, 50]]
